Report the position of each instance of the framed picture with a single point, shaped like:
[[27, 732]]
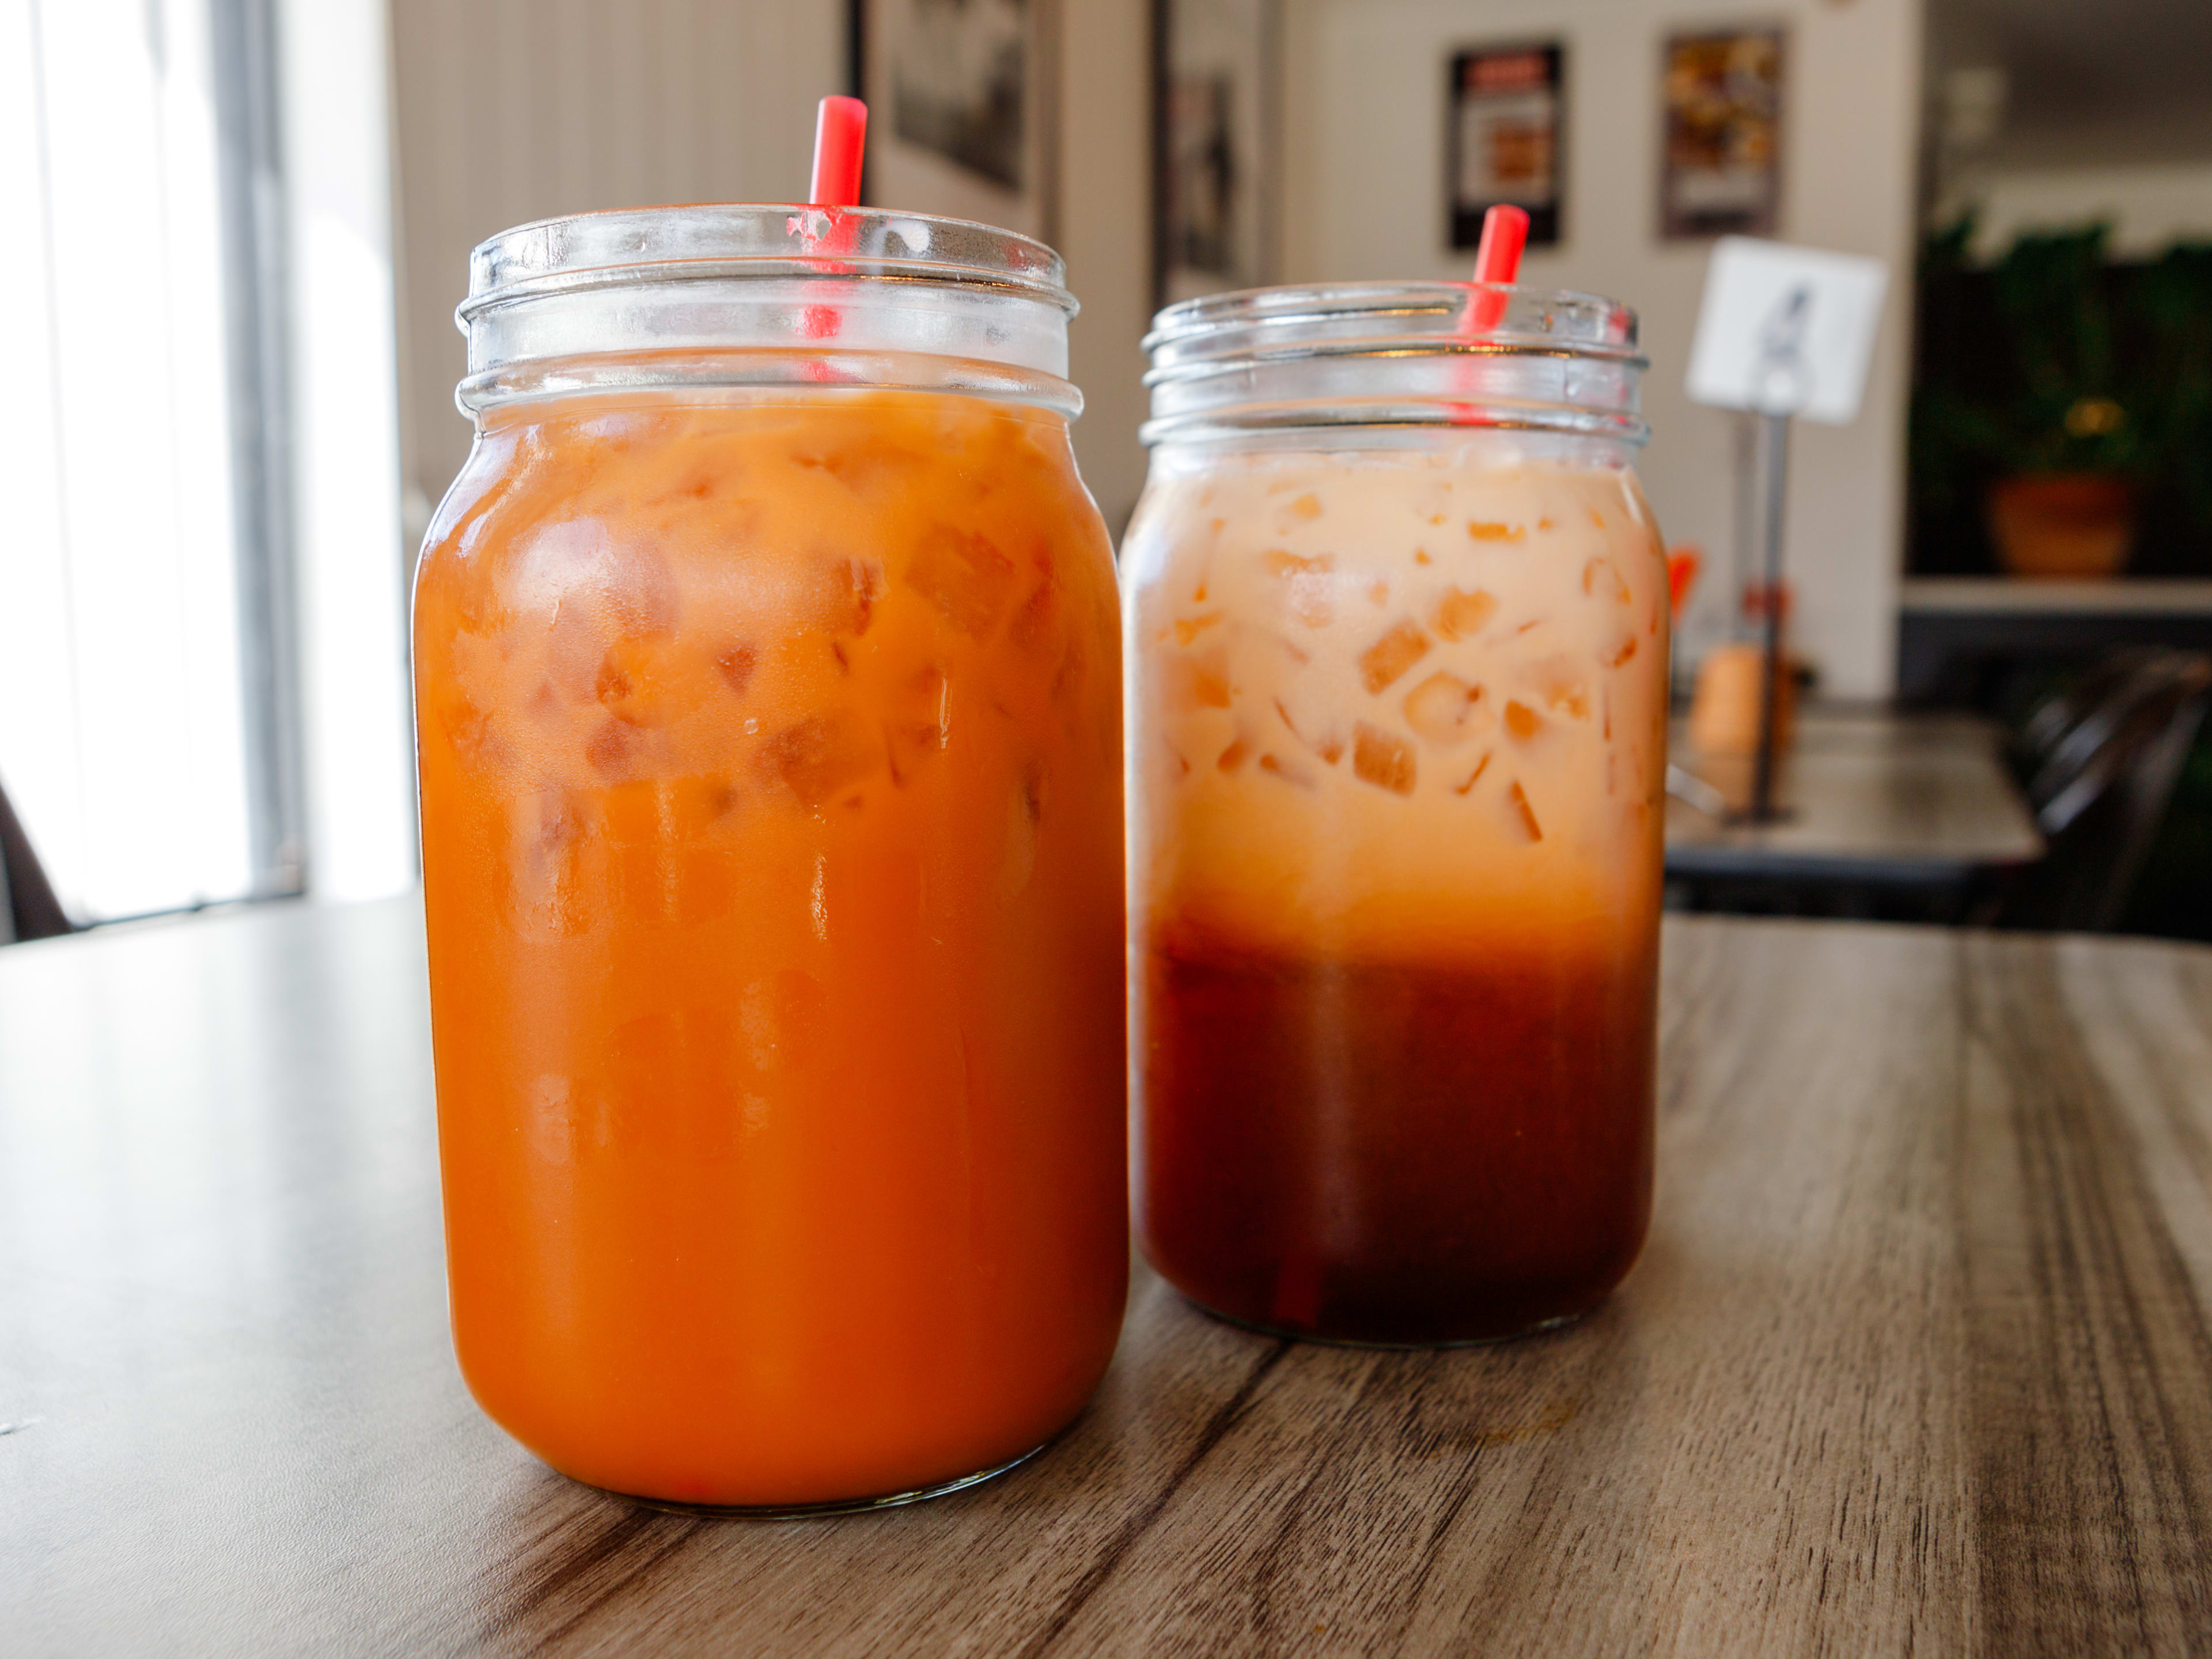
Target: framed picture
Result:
[[1215, 140], [1508, 138], [1722, 175], [962, 108]]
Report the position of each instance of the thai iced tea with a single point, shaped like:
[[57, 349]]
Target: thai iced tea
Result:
[[1398, 728], [772, 844]]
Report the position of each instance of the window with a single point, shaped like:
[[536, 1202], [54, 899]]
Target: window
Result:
[[200, 595]]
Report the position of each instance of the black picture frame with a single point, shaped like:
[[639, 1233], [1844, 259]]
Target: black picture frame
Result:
[[926, 175], [1524, 83], [1216, 146], [1724, 99]]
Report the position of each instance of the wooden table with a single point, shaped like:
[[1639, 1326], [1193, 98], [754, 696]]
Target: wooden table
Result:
[[1874, 797], [1918, 1360]]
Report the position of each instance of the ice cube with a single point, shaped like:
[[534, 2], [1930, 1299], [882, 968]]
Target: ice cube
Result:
[[1382, 662], [1312, 582], [611, 686], [477, 741], [561, 822], [576, 647], [1475, 776], [1036, 627], [613, 749], [854, 587], [665, 811], [735, 664], [1382, 758], [1564, 687], [870, 465], [826, 592], [963, 576], [632, 684], [575, 568], [642, 598], [1313, 733], [1461, 616], [916, 732], [821, 756], [1068, 681], [550, 883], [1525, 813], [1446, 710], [1023, 813], [1199, 682], [911, 745], [1602, 582]]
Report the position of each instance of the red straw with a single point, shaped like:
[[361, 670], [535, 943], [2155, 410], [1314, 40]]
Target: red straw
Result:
[[841, 136], [1496, 259], [840, 133]]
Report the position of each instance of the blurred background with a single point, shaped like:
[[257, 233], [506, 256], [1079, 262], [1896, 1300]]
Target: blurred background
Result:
[[241, 226]]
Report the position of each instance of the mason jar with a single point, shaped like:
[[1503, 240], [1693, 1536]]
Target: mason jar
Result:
[[768, 711], [1396, 651]]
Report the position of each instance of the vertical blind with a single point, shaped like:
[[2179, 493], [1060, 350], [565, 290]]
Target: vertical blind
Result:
[[123, 727]]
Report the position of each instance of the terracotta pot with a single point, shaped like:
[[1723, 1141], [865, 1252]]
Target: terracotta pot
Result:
[[2061, 524]]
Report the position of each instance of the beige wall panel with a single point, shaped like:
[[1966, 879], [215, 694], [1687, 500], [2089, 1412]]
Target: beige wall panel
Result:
[[508, 111]]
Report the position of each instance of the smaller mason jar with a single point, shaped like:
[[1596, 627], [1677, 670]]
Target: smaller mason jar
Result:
[[767, 712], [1396, 653]]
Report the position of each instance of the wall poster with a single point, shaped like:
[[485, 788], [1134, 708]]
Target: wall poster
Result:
[[963, 114], [1508, 138], [1722, 175], [1216, 104]]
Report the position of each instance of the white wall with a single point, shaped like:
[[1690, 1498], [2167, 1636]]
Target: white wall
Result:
[[508, 111], [2148, 207], [1366, 121], [347, 536], [514, 110], [1105, 219]]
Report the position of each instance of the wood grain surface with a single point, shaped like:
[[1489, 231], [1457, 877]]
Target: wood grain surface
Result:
[[1917, 1360], [1870, 794]]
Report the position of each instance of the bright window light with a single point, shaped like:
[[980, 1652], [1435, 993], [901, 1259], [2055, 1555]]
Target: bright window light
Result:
[[121, 724], [150, 749]]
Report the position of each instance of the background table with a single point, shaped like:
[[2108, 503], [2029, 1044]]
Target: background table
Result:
[[1873, 796], [1917, 1359]]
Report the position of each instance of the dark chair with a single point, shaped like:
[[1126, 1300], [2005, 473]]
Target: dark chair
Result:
[[26, 898], [2101, 760]]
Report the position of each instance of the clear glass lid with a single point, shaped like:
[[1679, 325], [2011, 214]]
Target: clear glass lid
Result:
[[850, 291], [1395, 354]]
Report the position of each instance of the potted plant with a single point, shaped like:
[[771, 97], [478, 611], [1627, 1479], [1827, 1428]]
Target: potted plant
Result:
[[2065, 444]]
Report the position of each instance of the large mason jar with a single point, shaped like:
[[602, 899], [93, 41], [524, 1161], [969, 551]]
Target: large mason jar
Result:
[[768, 709], [1397, 659]]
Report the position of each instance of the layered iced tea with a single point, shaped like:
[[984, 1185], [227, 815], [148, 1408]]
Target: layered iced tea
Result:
[[1397, 754]]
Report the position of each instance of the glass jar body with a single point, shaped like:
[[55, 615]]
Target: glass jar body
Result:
[[1397, 708], [770, 761]]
